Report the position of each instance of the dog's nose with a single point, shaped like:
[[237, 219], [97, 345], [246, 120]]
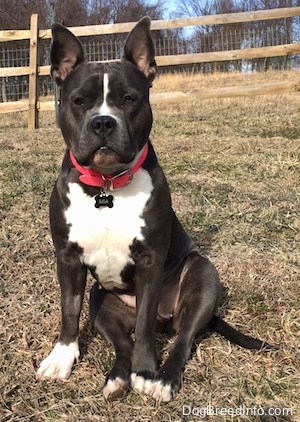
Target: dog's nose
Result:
[[102, 126]]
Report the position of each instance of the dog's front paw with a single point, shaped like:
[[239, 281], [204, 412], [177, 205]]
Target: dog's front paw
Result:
[[115, 389], [58, 364], [160, 389], [155, 388], [142, 383], [162, 392]]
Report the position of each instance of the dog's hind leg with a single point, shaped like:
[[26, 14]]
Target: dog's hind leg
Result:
[[115, 321], [197, 302]]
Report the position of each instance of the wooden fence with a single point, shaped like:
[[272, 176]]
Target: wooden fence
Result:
[[33, 105]]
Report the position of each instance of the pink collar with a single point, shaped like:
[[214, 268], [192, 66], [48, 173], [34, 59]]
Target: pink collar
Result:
[[108, 181]]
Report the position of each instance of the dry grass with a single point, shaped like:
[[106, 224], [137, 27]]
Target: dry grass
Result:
[[233, 167]]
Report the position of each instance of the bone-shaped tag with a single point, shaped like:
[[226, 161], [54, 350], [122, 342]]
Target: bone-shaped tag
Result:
[[103, 200]]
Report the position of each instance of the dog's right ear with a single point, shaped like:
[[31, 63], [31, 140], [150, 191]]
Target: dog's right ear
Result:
[[66, 52], [139, 48]]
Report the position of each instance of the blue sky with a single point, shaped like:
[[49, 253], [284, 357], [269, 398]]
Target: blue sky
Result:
[[170, 6]]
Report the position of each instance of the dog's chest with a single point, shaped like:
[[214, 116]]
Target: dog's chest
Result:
[[106, 234]]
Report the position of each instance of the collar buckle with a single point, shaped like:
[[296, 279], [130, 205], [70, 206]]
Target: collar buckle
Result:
[[119, 180]]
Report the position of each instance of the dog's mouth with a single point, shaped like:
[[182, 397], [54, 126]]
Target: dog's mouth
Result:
[[105, 158]]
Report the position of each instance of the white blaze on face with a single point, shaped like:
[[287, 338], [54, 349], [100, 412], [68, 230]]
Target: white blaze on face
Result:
[[105, 109]]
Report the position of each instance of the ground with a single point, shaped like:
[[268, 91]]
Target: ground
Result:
[[233, 168]]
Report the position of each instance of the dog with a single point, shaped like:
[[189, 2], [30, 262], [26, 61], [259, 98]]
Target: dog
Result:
[[111, 214]]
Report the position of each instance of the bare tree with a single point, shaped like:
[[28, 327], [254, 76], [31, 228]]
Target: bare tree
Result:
[[71, 12], [115, 11], [15, 14], [98, 12]]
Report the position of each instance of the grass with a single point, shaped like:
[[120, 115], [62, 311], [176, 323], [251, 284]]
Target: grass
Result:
[[233, 168]]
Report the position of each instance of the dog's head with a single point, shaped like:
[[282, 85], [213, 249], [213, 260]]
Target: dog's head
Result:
[[105, 115]]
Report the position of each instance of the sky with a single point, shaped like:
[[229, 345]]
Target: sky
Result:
[[170, 6]]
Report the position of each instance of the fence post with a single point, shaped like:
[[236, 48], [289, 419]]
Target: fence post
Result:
[[55, 86], [33, 73]]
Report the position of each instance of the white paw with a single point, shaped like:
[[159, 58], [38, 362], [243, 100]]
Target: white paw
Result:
[[162, 392], [58, 364], [140, 384], [156, 389], [115, 389]]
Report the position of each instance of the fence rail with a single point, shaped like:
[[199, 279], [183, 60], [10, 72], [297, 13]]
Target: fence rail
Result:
[[35, 36]]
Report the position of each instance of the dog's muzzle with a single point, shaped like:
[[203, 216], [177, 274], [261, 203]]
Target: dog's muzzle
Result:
[[103, 126]]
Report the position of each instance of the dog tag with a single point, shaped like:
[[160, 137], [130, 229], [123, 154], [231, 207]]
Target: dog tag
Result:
[[103, 200]]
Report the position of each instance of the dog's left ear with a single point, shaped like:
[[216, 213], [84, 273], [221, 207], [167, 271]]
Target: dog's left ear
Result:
[[66, 52], [139, 48]]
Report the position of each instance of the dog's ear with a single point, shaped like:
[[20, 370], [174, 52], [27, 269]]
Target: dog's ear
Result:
[[66, 52], [139, 48]]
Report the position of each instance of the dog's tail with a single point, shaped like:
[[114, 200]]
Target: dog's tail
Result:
[[218, 325]]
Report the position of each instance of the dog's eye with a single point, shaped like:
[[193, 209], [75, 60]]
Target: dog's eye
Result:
[[128, 99], [78, 101]]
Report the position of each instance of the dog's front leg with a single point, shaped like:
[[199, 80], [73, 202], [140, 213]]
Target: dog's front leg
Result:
[[72, 279], [148, 278]]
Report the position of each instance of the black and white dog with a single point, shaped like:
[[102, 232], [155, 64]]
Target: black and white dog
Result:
[[111, 213]]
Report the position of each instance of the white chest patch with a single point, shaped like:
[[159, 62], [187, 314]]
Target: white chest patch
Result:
[[105, 234]]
